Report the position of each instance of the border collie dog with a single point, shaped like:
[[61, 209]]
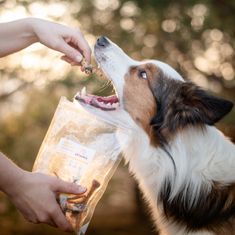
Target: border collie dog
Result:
[[185, 167]]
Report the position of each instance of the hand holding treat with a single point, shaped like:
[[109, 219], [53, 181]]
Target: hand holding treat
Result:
[[20, 34], [68, 41]]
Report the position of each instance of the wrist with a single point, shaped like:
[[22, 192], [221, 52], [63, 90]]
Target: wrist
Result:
[[29, 29], [12, 185]]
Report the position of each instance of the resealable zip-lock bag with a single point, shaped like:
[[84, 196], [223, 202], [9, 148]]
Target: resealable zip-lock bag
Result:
[[82, 148]]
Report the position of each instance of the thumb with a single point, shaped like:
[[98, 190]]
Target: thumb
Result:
[[69, 51], [67, 187]]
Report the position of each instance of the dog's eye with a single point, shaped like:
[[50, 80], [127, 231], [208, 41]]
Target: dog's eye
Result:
[[142, 74]]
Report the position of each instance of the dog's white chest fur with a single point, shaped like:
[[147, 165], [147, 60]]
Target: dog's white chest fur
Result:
[[197, 157]]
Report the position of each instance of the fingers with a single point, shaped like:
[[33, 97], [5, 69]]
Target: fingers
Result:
[[72, 55], [66, 187], [77, 41], [74, 46], [59, 220], [69, 51], [70, 61], [82, 44], [70, 42], [56, 213], [87, 54]]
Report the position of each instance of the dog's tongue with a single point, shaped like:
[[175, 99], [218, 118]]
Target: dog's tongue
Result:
[[88, 99], [110, 99], [104, 103]]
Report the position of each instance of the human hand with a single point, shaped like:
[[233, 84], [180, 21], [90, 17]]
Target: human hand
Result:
[[69, 41], [34, 195]]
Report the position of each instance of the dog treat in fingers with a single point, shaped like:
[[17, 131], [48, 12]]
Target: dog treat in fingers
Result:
[[82, 148], [87, 67]]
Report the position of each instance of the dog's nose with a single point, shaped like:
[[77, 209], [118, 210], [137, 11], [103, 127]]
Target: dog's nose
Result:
[[102, 41]]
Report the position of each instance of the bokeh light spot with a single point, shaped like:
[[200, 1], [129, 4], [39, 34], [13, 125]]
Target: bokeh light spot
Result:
[[169, 26], [199, 10], [227, 71], [150, 40], [127, 24], [129, 9], [216, 35]]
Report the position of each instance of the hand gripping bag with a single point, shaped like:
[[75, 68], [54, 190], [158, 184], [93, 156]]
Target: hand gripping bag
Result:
[[83, 148]]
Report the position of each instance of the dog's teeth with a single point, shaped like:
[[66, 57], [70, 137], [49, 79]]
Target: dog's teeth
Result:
[[115, 105], [83, 91], [108, 105]]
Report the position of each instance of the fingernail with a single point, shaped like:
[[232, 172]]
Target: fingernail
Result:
[[82, 189], [78, 58]]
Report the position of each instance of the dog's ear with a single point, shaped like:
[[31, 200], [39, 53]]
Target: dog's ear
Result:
[[188, 105], [193, 105]]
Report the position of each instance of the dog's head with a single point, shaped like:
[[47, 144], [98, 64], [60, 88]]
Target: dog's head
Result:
[[154, 94]]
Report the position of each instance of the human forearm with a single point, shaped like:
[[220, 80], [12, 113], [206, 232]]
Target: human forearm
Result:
[[19, 34], [16, 35], [10, 174]]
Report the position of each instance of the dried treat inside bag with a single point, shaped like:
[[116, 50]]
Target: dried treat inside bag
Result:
[[75, 207]]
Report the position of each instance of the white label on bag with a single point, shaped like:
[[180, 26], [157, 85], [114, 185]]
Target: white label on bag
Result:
[[75, 149], [79, 156]]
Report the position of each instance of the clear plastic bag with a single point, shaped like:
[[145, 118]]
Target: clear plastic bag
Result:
[[82, 148]]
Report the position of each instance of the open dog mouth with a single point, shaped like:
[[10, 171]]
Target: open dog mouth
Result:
[[106, 103]]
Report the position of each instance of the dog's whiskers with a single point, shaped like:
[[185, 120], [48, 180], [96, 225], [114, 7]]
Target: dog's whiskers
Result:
[[106, 85]]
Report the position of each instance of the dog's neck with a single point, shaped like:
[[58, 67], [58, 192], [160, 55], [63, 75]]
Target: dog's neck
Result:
[[205, 153], [202, 153], [201, 157]]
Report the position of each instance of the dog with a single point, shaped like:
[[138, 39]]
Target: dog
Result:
[[185, 167]]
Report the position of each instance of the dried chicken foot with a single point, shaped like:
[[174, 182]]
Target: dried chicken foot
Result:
[[76, 207], [77, 198], [77, 203], [89, 69], [80, 216], [66, 194]]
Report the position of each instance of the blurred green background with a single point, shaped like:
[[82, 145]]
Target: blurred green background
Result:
[[195, 37]]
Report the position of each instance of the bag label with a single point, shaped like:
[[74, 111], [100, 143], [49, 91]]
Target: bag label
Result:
[[78, 157], [75, 149]]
